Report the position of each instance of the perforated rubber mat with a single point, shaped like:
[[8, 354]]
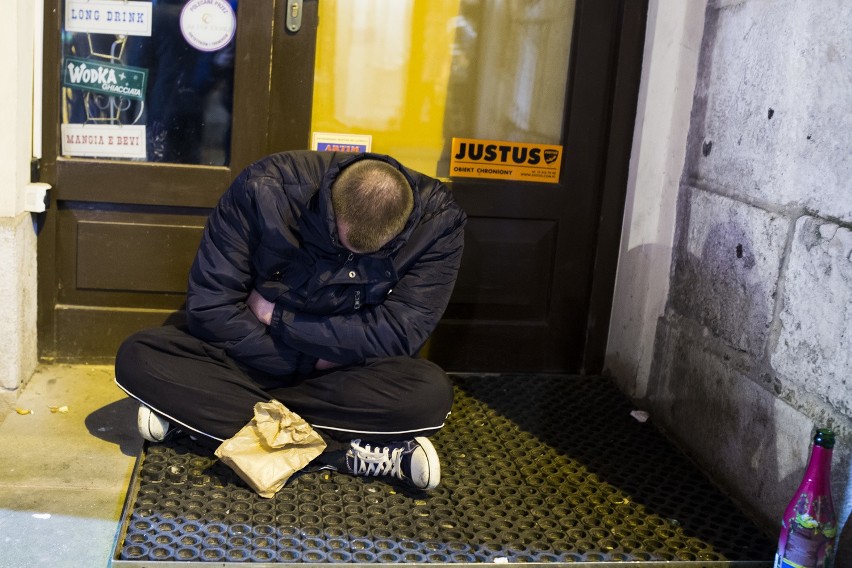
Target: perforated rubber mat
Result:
[[546, 469]]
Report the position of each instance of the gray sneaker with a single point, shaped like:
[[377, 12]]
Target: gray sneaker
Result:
[[151, 426], [412, 461]]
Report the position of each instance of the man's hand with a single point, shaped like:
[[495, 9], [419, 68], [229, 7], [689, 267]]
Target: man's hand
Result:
[[260, 307], [323, 365], [262, 310]]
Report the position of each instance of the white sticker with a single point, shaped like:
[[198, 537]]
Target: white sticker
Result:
[[103, 141], [108, 17], [334, 142], [208, 25]]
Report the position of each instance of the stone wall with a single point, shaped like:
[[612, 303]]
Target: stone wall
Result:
[[18, 281], [754, 350], [18, 288]]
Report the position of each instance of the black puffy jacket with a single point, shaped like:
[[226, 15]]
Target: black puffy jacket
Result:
[[274, 231]]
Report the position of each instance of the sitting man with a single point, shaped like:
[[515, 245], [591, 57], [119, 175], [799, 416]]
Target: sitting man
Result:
[[318, 279]]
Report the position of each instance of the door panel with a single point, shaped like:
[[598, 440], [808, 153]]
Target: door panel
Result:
[[117, 241], [103, 245], [125, 257], [508, 269], [141, 184]]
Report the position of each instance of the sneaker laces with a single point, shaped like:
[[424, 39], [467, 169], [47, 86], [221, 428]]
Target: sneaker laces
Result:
[[380, 461]]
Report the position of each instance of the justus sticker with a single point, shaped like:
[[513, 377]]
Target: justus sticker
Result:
[[496, 159]]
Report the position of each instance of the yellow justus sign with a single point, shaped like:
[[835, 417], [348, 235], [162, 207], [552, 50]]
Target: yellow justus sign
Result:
[[496, 159]]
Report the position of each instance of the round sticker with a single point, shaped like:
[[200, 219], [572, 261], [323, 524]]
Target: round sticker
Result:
[[208, 25]]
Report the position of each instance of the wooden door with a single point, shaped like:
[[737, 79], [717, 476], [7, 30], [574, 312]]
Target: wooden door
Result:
[[535, 284], [536, 289], [134, 175]]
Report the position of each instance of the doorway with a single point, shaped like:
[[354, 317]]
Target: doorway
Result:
[[119, 236]]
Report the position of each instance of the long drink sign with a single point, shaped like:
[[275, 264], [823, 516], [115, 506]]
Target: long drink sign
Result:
[[108, 17]]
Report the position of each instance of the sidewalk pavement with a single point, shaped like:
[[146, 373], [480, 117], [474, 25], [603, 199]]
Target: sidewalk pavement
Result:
[[65, 468]]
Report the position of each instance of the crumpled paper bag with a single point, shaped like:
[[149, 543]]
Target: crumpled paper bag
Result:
[[273, 446]]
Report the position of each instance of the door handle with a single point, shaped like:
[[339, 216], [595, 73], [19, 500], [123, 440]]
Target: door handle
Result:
[[294, 15]]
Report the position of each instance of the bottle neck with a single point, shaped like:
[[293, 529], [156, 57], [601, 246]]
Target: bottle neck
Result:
[[819, 468]]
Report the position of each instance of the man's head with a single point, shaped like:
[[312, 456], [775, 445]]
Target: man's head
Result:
[[372, 201]]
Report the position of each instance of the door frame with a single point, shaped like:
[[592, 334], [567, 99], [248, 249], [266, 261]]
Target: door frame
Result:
[[625, 81]]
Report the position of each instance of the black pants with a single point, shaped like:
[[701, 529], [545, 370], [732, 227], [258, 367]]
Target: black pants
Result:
[[197, 385]]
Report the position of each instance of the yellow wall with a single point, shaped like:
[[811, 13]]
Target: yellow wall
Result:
[[382, 69]]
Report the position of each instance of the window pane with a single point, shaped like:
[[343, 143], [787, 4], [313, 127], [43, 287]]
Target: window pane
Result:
[[148, 81], [416, 73]]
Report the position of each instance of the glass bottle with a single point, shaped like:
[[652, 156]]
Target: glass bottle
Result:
[[809, 524]]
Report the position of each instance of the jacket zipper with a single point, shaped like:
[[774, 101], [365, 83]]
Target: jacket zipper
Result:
[[357, 292]]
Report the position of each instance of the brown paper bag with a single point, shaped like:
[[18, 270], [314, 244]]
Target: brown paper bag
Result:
[[273, 446]]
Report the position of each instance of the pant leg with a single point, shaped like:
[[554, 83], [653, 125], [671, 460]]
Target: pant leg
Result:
[[394, 398], [199, 386], [188, 381]]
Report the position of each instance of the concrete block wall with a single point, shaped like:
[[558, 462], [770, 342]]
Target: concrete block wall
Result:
[[18, 289], [18, 281], [754, 349]]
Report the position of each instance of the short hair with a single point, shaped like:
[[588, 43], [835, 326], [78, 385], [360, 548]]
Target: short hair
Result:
[[374, 200]]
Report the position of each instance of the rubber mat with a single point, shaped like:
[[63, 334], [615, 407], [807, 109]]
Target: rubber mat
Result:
[[545, 469]]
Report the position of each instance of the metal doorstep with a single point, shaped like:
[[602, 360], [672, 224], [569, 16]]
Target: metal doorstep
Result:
[[535, 469]]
